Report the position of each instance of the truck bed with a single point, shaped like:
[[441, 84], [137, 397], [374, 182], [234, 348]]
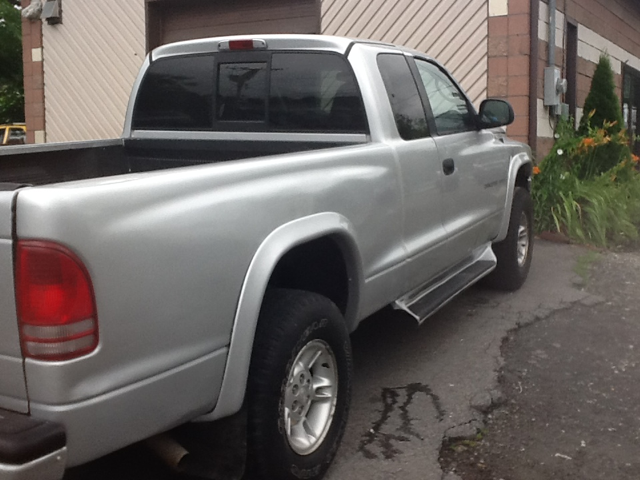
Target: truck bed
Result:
[[65, 162]]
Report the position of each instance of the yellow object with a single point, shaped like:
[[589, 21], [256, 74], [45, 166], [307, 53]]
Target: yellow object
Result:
[[14, 134]]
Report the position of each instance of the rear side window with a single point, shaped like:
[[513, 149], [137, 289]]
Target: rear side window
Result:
[[404, 97], [176, 94], [292, 92]]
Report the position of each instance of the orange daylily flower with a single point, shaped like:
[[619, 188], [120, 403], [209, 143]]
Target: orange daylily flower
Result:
[[588, 142], [536, 170], [635, 158]]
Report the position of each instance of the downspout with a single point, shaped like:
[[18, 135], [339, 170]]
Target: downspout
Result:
[[552, 33], [319, 17], [534, 51]]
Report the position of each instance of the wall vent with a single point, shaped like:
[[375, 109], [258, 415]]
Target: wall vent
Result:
[[52, 12]]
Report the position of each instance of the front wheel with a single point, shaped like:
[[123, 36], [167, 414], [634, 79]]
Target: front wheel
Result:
[[515, 252], [299, 386]]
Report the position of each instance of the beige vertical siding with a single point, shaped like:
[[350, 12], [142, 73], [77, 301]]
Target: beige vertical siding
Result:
[[90, 63], [453, 31]]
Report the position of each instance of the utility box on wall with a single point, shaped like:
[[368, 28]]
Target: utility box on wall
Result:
[[551, 79], [554, 87]]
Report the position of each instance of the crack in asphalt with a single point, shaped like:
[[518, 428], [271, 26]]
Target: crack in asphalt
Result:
[[446, 437], [387, 441]]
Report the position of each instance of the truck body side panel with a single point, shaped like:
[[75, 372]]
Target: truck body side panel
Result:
[[168, 251]]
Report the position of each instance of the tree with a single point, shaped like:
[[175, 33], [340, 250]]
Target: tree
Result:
[[11, 77], [602, 111], [602, 100]]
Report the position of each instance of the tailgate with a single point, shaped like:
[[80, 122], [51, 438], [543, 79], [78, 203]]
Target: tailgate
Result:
[[13, 391]]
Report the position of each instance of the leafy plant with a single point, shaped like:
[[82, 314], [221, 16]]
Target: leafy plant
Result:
[[578, 194], [11, 79], [601, 149]]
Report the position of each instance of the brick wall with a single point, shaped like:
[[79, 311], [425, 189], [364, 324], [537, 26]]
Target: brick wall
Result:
[[618, 21], [509, 59], [610, 26], [33, 78]]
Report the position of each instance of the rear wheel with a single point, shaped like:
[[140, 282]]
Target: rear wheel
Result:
[[299, 386], [515, 252]]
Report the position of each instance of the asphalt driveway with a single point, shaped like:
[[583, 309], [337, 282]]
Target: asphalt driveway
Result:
[[571, 384]]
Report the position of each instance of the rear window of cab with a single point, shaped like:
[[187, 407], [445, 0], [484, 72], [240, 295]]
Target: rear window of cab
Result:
[[279, 91]]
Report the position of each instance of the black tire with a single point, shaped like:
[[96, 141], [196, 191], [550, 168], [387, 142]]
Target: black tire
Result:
[[291, 322], [511, 272]]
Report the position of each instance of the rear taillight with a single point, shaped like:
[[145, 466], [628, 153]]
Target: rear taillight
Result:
[[55, 301]]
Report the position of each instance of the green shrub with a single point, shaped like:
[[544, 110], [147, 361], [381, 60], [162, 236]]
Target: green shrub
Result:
[[602, 104]]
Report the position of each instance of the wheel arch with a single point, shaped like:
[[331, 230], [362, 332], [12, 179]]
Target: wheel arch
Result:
[[328, 229], [520, 172]]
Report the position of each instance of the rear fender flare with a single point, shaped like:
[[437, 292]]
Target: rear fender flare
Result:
[[272, 249]]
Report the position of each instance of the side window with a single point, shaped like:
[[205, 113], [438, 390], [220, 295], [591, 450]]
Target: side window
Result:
[[314, 92], [402, 90], [176, 94], [3, 132], [448, 104]]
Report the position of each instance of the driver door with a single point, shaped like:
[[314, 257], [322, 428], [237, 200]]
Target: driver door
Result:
[[474, 163]]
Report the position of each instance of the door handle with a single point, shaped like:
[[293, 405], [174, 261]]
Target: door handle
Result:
[[448, 166]]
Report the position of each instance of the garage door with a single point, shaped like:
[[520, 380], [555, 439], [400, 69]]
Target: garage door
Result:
[[171, 21]]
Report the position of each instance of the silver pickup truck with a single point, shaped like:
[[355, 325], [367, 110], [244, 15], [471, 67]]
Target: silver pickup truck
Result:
[[267, 195]]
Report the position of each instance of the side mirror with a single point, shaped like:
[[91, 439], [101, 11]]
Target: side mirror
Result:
[[495, 113]]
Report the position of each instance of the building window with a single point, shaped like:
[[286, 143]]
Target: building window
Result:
[[571, 97], [631, 103]]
